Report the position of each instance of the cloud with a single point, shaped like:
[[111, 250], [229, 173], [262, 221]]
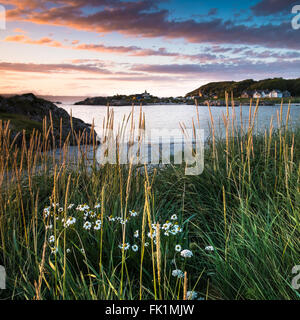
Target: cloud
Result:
[[19, 30], [144, 18], [129, 50], [43, 41], [51, 68], [272, 7], [241, 69]]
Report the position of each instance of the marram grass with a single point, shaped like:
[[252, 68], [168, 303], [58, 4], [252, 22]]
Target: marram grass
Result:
[[75, 230]]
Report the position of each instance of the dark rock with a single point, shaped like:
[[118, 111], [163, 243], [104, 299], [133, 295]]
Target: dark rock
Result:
[[35, 109]]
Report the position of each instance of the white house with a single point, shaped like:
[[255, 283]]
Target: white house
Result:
[[276, 94], [259, 94]]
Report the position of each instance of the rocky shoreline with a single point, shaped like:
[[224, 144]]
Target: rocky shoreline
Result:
[[27, 112]]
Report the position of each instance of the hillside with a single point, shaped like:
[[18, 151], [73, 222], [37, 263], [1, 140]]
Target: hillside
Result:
[[26, 112], [237, 87]]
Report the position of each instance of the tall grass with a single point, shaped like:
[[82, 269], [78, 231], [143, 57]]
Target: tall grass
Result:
[[245, 206]]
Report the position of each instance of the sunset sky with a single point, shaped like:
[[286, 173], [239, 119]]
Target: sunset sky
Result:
[[105, 47]]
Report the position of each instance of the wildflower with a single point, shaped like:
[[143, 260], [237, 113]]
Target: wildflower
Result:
[[55, 205], [87, 225], [97, 206], [124, 246], [177, 273], [146, 244], [60, 210], [68, 250], [191, 295], [82, 251], [135, 248], [166, 233], [97, 225], [136, 234], [110, 218], [123, 222], [92, 214], [174, 217], [50, 226], [209, 248], [153, 234], [70, 221], [54, 250], [71, 206], [51, 239], [186, 253], [178, 248], [86, 215], [166, 226], [82, 207], [46, 212], [133, 213], [173, 232], [176, 229]]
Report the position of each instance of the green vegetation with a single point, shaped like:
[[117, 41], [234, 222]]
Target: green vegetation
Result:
[[237, 88], [21, 122], [245, 208]]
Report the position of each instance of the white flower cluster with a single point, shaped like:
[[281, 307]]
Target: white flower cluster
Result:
[[122, 221], [191, 295], [82, 207], [69, 222], [178, 273], [186, 253]]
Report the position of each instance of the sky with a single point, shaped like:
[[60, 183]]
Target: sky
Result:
[[169, 47]]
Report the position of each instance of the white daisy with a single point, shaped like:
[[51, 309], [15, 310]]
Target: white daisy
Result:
[[174, 217], [178, 248], [51, 239], [87, 225], [126, 246], [133, 213], [135, 248]]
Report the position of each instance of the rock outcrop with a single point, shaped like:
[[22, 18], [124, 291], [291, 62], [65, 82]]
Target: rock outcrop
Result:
[[28, 109]]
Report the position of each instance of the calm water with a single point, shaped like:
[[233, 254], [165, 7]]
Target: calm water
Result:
[[169, 116]]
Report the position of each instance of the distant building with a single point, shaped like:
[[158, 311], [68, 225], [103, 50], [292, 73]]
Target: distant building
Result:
[[146, 95], [246, 94], [261, 94], [257, 95], [276, 94], [286, 94]]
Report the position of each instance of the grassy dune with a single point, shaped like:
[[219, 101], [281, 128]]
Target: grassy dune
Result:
[[119, 231]]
